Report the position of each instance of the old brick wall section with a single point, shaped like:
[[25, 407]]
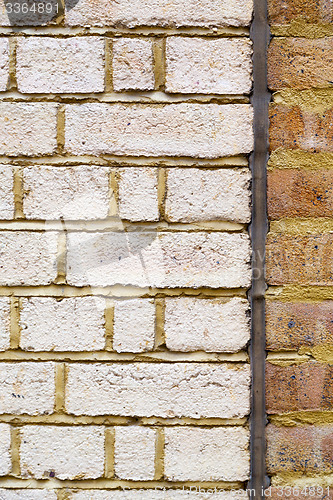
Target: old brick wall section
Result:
[[300, 248], [125, 130]]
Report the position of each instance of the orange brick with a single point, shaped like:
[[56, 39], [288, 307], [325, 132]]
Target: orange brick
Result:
[[312, 11]]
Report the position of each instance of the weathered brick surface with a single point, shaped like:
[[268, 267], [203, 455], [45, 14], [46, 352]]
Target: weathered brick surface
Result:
[[62, 452], [27, 494], [308, 386], [73, 324], [306, 449], [200, 130], [293, 325], [209, 325], [28, 258], [28, 128], [158, 13], [297, 193], [69, 65], [198, 195], [218, 454], [135, 453], [4, 323], [4, 63], [133, 64], [6, 192], [201, 65], [5, 454], [138, 197], [303, 260], [300, 63], [297, 492], [66, 192], [159, 260], [134, 325], [27, 388], [161, 390], [311, 11], [295, 128]]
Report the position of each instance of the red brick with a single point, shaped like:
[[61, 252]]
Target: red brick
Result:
[[301, 260], [296, 128], [300, 193], [308, 386], [290, 326], [312, 11], [300, 63], [305, 449]]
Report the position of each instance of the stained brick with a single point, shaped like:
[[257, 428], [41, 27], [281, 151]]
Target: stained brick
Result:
[[311, 11]]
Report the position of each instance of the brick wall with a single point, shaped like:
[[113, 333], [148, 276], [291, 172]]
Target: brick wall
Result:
[[125, 131], [299, 249]]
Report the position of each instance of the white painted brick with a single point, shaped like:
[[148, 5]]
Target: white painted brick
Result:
[[73, 324], [138, 199], [28, 258], [212, 66], [134, 325], [158, 389], [217, 454], [159, 259], [26, 494], [206, 324], [4, 63], [66, 65], [197, 130], [133, 64], [5, 454], [135, 453], [4, 323], [27, 388], [6, 192], [66, 192], [194, 493], [160, 13], [68, 452], [199, 195], [28, 128]]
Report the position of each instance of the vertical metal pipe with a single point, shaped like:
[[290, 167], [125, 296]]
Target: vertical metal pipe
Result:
[[260, 36]]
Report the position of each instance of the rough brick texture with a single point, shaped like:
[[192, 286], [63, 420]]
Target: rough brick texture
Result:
[[133, 64], [28, 129], [295, 128], [27, 388], [5, 455], [135, 453], [210, 325], [307, 386], [160, 390], [29, 258], [6, 192], [68, 65], [134, 325], [159, 260], [194, 195], [204, 131], [291, 326], [200, 65], [66, 192], [62, 452], [312, 11], [206, 454], [30, 494], [297, 193], [157, 13], [300, 449], [138, 195], [4, 64], [300, 63], [73, 324], [304, 260], [4, 323]]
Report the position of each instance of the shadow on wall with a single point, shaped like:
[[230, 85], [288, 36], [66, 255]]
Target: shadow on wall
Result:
[[35, 12]]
